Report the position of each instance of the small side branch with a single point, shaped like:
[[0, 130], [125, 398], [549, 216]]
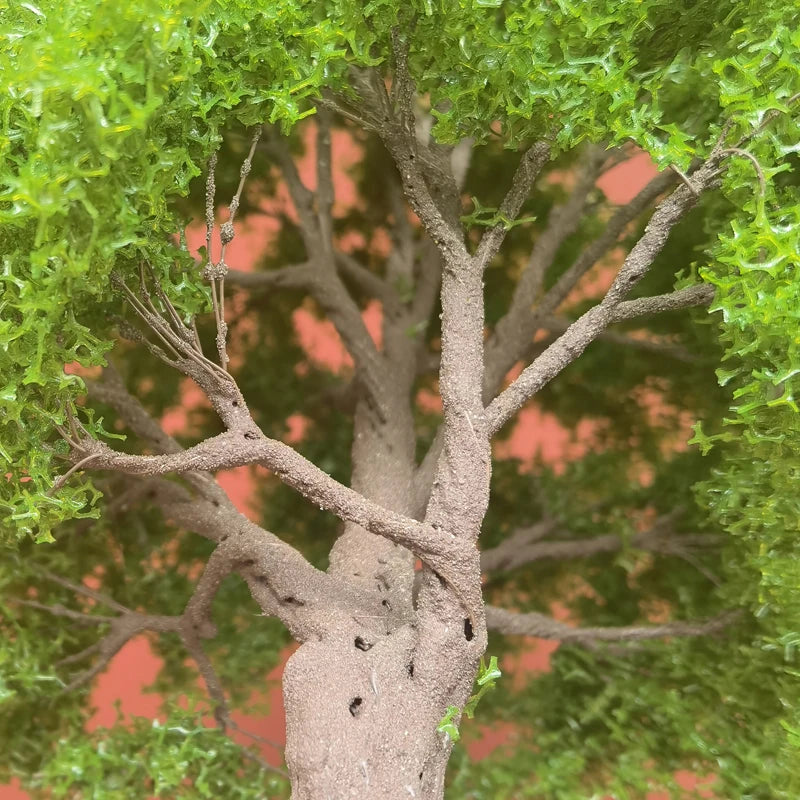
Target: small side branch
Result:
[[325, 187], [521, 548], [302, 197], [544, 627], [221, 710], [699, 295], [122, 630], [296, 276], [517, 327], [112, 392], [321, 279], [528, 170], [576, 339], [370, 283], [215, 273], [131, 624], [603, 243]]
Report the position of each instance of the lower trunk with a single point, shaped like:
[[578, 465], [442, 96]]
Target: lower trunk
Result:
[[362, 723], [363, 704]]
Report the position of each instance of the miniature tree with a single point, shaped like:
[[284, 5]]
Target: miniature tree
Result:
[[387, 547]]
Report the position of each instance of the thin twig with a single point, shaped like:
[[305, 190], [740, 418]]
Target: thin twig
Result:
[[65, 477], [80, 588], [544, 627], [738, 151], [528, 170], [684, 177], [211, 190], [255, 736], [768, 118]]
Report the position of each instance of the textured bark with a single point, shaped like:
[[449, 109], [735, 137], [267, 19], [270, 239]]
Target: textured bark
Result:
[[363, 703]]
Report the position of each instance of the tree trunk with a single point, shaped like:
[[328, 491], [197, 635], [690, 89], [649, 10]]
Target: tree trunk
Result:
[[363, 724], [363, 704]]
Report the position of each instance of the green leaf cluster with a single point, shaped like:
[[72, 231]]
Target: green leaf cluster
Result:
[[488, 675]]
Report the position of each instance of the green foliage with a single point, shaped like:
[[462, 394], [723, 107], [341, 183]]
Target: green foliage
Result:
[[488, 675], [179, 757], [487, 217]]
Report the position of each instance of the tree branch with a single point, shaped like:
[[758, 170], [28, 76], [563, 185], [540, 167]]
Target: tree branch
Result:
[[284, 574], [700, 294], [112, 391], [544, 627], [520, 549], [189, 626], [400, 264], [296, 276], [399, 136], [216, 692], [516, 328], [302, 196], [592, 253], [325, 186], [370, 283], [217, 272], [527, 171], [582, 332], [236, 448], [557, 325], [122, 630], [323, 282]]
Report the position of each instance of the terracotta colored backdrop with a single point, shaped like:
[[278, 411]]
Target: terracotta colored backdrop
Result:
[[124, 684]]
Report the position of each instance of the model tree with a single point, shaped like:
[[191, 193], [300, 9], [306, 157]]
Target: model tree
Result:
[[391, 547]]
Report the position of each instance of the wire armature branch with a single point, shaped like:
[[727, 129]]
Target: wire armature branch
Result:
[[216, 383], [542, 626]]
